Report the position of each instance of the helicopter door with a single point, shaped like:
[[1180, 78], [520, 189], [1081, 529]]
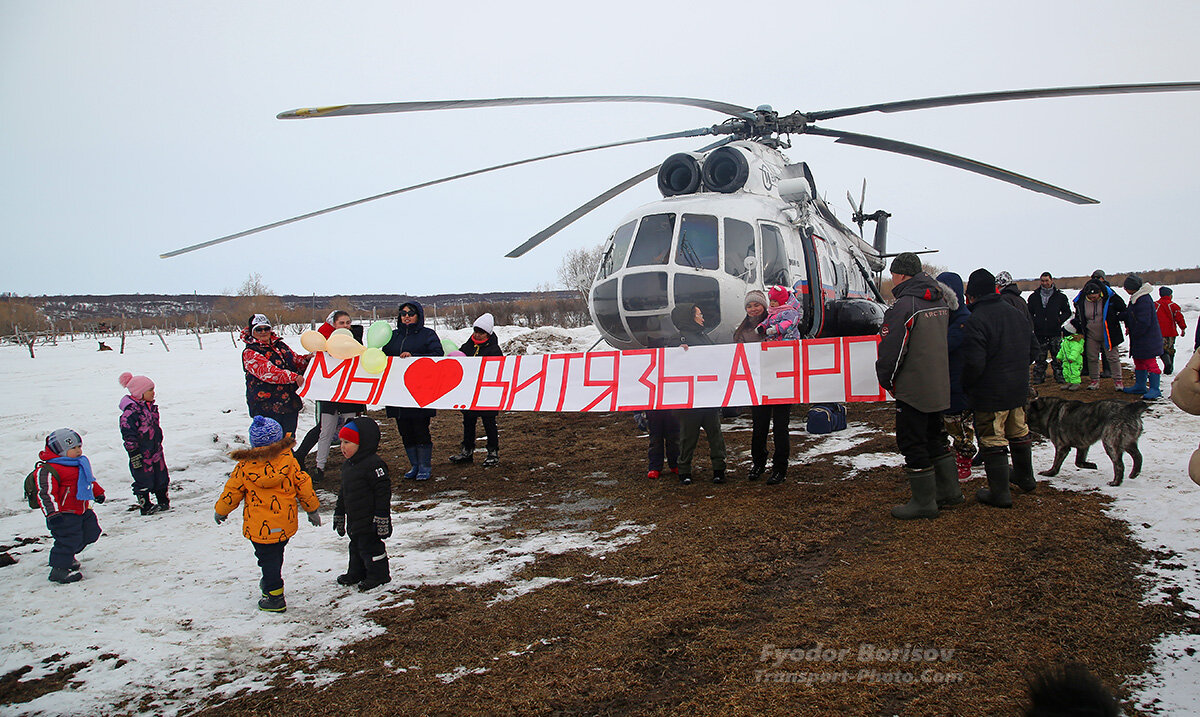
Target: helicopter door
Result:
[[813, 288]]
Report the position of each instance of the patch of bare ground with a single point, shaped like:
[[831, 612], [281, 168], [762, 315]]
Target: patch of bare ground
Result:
[[745, 598]]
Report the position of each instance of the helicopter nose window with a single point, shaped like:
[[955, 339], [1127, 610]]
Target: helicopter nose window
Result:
[[698, 242], [653, 242], [614, 256], [775, 269], [648, 290], [739, 246], [702, 290], [608, 315]]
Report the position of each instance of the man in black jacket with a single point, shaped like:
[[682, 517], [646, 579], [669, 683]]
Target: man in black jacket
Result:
[[997, 349], [1049, 308], [914, 365]]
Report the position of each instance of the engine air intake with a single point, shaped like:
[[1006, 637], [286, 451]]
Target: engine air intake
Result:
[[680, 174], [725, 170]]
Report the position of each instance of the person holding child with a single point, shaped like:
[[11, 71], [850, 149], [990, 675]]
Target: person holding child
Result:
[[413, 338], [761, 324], [364, 506], [65, 490], [143, 437], [482, 342], [270, 481]]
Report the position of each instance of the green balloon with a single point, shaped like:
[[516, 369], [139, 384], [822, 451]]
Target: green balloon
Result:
[[378, 334], [448, 346]]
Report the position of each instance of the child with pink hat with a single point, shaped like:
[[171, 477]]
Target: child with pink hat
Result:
[[143, 442]]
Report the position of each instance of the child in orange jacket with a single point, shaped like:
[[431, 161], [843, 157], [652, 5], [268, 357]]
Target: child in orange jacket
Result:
[[270, 481]]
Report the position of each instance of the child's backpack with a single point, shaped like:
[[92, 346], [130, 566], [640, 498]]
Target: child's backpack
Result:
[[31, 483], [826, 418]]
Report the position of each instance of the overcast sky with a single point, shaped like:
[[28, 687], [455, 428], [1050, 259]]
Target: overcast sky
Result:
[[134, 128]]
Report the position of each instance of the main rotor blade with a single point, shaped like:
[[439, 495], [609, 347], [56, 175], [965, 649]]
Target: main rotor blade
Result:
[[1003, 96], [368, 109], [596, 201], [953, 160], [212, 242]]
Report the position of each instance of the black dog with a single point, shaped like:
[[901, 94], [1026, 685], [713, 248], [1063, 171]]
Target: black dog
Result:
[[1078, 425]]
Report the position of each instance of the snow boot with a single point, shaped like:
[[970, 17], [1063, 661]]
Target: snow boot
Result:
[[414, 460], [64, 576], [75, 566], [997, 495], [718, 476], [273, 601], [144, 504], [348, 579], [1155, 389], [756, 472], [164, 500], [424, 461], [777, 476], [1139, 385], [945, 473], [964, 467], [1022, 464], [924, 496], [493, 458], [463, 456]]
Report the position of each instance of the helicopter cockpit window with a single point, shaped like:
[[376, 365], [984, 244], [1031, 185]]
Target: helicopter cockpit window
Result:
[[698, 246], [614, 256], [739, 246], [652, 245], [775, 266]]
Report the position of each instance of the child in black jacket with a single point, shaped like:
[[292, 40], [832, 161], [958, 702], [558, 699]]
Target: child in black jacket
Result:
[[364, 505]]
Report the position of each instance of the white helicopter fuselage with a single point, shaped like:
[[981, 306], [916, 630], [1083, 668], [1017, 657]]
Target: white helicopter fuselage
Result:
[[762, 225]]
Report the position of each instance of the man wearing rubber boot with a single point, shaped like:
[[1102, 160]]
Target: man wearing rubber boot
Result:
[[997, 351], [913, 365]]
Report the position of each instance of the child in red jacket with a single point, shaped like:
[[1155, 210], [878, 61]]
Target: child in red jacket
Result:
[[66, 489]]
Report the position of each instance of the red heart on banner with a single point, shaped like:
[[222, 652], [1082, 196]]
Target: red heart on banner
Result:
[[428, 380]]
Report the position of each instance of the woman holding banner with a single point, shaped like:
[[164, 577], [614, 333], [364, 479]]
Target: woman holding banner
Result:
[[764, 417], [413, 338]]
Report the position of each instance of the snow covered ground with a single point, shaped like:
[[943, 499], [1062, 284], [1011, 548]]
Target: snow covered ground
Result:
[[168, 601]]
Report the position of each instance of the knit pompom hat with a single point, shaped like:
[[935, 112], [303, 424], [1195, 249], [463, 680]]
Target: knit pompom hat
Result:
[[754, 296], [779, 294], [485, 323], [265, 431], [137, 385]]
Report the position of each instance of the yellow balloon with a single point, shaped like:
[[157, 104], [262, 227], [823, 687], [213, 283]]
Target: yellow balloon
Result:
[[343, 347], [343, 332], [373, 361], [312, 341]]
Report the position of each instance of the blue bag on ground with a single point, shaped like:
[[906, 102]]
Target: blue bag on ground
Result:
[[826, 418]]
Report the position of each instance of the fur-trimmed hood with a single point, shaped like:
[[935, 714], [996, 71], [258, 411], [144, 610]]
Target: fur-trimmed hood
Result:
[[264, 453]]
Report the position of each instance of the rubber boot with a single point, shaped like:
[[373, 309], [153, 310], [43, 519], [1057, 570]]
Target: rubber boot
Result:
[[1139, 384], [164, 500], [463, 456], [997, 495], [1155, 390], [414, 460], [424, 461], [1168, 363], [273, 601], [493, 458], [1022, 464], [924, 496], [945, 473]]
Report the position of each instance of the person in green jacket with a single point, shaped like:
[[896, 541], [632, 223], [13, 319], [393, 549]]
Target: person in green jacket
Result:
[[1070, 354]]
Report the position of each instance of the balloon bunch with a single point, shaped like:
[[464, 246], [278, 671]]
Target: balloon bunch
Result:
[[342, 345]]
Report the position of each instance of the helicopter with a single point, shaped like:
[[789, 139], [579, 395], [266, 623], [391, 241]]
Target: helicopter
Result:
[[736, 215]]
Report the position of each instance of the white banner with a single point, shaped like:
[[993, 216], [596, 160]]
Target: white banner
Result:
[[773, 372]]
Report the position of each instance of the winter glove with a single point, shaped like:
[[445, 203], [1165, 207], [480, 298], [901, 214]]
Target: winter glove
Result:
[[315, 518], [99, 498], [383, 525], [219, 518], [772, 331], [761, 328], [339, 525], [135, 461]]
